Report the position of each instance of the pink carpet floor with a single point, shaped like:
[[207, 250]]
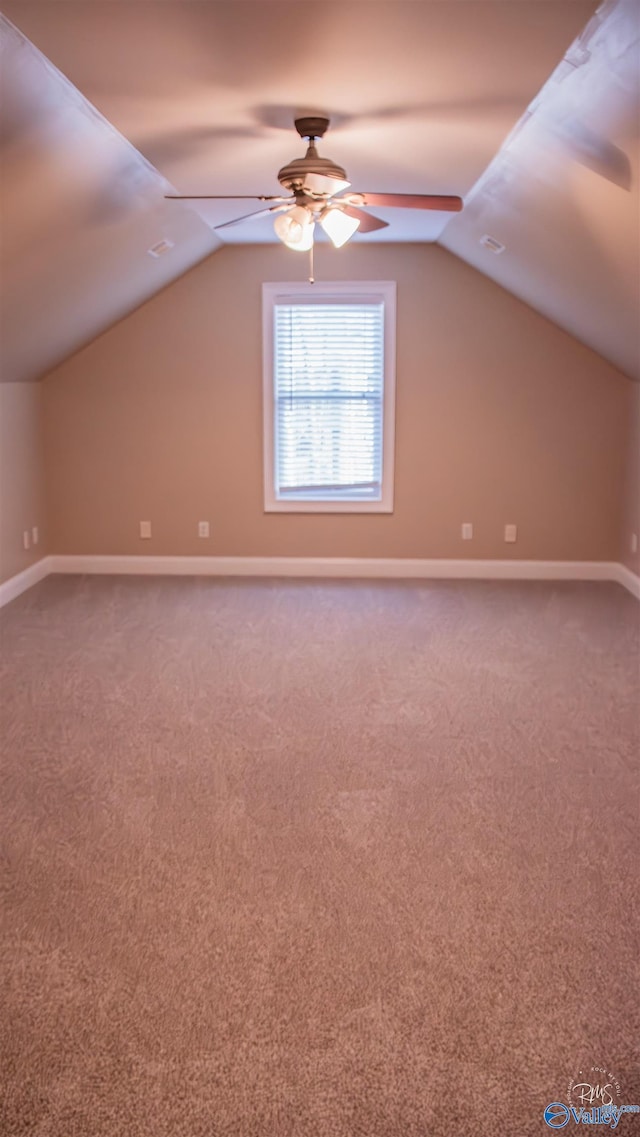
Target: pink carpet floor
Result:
[[316, 859]]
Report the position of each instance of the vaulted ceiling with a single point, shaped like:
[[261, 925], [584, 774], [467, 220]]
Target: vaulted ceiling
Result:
[[528, 109]]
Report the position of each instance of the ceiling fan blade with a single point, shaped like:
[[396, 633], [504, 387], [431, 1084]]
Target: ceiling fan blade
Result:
[[445, 203], [225, 197], [367, 221], [248, 216]]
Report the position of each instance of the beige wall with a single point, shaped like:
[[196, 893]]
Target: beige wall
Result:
[[631, 498], [501, 417], [21, 476]]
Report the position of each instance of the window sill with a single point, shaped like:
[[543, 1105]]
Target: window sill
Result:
[[328, 507]]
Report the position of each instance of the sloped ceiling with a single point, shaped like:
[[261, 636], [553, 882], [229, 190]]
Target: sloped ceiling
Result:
[[562, 194], [107, 105]]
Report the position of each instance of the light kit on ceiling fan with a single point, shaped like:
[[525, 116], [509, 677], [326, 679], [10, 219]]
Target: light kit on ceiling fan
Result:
[[295, 228]]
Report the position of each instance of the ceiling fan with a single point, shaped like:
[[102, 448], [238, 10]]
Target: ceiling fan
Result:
[[312, 183]]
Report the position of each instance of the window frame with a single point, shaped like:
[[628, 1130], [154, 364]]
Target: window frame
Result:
[[339, 291]]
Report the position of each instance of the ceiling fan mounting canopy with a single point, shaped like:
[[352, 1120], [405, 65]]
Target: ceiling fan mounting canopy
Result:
[[312, 126]]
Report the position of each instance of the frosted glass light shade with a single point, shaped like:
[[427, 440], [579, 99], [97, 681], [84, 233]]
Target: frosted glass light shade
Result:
[[338, 226], [295, 228]]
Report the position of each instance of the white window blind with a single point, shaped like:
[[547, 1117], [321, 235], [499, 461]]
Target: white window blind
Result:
[[327, 388], [329, 380]]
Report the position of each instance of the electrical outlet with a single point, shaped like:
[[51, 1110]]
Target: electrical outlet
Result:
[[510, 532], [145, 528], [26, 540], [634, 542], [34, 535], [467, 531], [203, 529]]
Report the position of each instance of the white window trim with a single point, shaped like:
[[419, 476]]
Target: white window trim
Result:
[[299, 292]]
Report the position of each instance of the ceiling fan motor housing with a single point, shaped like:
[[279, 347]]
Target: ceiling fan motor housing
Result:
[[294, 174]]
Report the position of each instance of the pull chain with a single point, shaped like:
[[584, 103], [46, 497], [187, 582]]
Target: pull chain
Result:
[[311, 277]]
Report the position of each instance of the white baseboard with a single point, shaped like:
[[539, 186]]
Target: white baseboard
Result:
[[627, 579], [355, 567], [369, 567], [23, 580]]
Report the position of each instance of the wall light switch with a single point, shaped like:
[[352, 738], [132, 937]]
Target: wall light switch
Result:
[[510, 532], [145, 528], [35, 535], [26, 541], [467, 531], [634, 542], [203, 528]]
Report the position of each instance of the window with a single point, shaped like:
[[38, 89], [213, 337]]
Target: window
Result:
[[329, 364]]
